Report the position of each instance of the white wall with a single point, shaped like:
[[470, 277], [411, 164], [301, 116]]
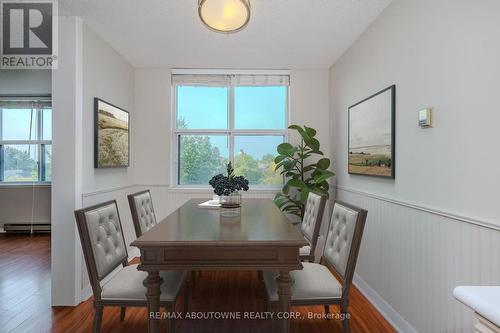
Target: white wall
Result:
[[66, 163], [25, 82], [22, 204], [16, 202], [107, 75], [88, 68], [419, 241], [153, 126]]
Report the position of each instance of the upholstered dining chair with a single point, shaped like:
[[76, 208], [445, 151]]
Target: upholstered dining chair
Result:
[[143, 213], [311, 225], [144, 218], [105, 251], [315, 284]]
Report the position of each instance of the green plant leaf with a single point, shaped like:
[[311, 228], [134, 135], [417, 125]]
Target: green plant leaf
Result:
[[325, 185], [309, 168], [310, 131], [295, 127], [286, 188], [314, 144], [323, 192], [280, 200], [296, 183], [324, 175], [289, 164], [301, 131], [286, 149], [323, 163], [303, 195], [303, 156], [279, 158]]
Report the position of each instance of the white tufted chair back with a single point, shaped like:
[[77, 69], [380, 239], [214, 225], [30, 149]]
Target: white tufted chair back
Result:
[[313, 213], [344, 237], [102, 238], [314, 208], [143, 214]]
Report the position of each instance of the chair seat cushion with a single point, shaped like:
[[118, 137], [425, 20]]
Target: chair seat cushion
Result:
[[128, 285], [305, 250], [314, 282]]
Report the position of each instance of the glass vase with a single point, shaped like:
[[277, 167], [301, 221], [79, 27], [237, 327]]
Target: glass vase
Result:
[[232, 200]]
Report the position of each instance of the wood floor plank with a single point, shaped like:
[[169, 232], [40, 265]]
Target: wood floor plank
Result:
[[25, 301]]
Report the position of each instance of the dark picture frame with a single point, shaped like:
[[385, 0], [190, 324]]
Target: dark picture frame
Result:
[[111, 135], [371, 149]]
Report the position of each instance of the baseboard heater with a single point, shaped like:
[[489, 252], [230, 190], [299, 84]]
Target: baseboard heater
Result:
[[26, 228]]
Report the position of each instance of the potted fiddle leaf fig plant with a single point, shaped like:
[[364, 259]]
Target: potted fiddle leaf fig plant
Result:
[[301, 174]]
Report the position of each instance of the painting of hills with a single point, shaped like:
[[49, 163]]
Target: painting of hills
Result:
[[112, 135], [371, 135]]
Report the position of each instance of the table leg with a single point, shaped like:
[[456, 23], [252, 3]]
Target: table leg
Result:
[[153, 296], [284, 293]]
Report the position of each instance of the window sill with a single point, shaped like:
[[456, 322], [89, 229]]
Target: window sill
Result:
[[24, 185], [188, 189]]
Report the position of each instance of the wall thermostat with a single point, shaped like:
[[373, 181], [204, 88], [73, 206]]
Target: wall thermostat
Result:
[[425, 118]]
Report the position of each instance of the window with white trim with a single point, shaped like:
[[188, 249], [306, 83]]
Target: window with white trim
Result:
[[25, 140], [221, 118]]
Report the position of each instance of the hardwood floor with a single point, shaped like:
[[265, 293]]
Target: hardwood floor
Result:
[[25, 301]]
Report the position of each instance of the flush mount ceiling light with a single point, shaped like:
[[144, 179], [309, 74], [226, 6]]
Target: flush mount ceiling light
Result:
[[224, 16]]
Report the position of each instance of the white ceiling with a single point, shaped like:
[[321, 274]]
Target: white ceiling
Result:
[[281, 33]]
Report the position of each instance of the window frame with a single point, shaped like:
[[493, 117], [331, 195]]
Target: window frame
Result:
[[39, 143], [231, 132]]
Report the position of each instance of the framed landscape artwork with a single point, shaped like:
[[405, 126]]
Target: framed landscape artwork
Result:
[[372, 135], [111, 136]]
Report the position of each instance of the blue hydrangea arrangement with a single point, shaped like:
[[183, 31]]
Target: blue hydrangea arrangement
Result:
[[225, 185]]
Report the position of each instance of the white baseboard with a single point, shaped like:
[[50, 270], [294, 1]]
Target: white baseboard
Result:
[[86, 293], [391, 315]]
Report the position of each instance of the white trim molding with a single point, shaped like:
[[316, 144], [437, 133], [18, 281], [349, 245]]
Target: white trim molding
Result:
[[176, 189], [427, 209], [391, 315], [107, 190]]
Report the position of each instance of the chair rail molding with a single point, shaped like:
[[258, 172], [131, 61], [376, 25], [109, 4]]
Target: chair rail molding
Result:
[[423, 208]]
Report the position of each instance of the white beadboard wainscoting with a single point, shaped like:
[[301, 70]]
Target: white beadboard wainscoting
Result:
[[412, 257]]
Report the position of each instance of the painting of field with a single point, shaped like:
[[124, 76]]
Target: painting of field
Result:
[[371, 135], [112, 136], [375, 160]]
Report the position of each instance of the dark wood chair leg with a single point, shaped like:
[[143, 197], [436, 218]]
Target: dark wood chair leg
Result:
[[262, 293], [97, 319], [193, 283], [171, 320], [186, 298], [199, 274], [346, 327], [327, 311], [122, 313]]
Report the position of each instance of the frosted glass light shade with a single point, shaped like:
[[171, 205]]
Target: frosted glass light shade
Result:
[[225, 16]]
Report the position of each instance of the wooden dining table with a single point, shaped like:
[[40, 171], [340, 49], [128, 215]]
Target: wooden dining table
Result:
[[192, 238]]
